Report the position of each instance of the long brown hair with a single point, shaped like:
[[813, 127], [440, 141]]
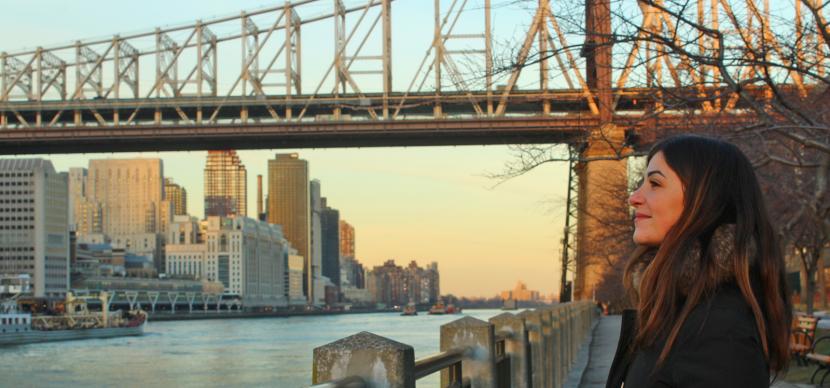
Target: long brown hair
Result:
[[720, 187]]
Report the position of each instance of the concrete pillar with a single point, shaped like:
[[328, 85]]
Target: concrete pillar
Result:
[[602, 208], [556, 352], [533, 325], [562, 348], [569, 318], [479, 363], [547, 335], [381, 362], [516, 347]]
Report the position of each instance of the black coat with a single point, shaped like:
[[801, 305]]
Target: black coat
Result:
[[717, 346]]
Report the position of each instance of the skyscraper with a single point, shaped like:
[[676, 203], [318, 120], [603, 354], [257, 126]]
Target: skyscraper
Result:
[[330, 230], [177, 196], [130, 194], [288, 205], [316, 244], [226, 193], [127, 196], [346, 239], [34, 233], [77, 196]]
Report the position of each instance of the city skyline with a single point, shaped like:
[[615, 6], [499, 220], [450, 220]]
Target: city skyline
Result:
[[434, 181]]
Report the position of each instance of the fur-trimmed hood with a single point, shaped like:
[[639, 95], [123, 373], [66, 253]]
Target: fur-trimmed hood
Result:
[[721, 249]]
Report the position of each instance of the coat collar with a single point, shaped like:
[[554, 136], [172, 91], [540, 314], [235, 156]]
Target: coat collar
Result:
[[721, 249]]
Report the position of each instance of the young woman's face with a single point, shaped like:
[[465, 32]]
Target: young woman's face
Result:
[[658, 203]]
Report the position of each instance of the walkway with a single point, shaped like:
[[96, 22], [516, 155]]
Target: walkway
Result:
[[604, 344]]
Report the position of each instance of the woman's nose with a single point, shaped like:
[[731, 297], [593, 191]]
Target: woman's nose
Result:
[[635, 198]]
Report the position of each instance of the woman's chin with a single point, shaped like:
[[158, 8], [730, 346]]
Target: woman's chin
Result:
[[644, 240]]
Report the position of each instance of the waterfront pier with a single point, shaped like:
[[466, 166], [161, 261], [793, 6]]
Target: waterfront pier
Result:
[[535, 348]]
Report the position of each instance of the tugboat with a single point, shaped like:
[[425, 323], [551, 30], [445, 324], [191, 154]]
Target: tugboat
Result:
[[410, 309], [75, 322], [438, 308], [451, 309]]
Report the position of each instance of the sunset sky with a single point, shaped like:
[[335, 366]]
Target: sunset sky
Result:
[[416, 203]]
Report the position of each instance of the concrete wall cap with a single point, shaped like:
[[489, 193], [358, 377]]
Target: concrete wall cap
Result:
[[365, 340], [466, 322], [504, 317]]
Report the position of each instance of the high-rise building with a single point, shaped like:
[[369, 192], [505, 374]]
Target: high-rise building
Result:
[[394, 285], [386, 284], [226, 193], [127, 195], [177, 195], [330, 232], [316, 204], [352, 274], [77, 196], [294, 277], [34, 224], [260, 213], [288, 206], [346, 239], [130, 192], [245, 255]]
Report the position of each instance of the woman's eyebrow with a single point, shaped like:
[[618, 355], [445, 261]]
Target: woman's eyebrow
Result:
[[656, 172]]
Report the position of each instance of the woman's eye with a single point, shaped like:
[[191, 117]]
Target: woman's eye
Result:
[[654, 183]]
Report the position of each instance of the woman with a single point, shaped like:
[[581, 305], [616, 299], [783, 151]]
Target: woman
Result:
[[708, 275]]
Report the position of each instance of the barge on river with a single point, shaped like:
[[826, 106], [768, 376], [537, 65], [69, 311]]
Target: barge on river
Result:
[[73, 322]]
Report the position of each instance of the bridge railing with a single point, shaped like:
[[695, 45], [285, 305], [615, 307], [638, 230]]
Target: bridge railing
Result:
[[535, 348]]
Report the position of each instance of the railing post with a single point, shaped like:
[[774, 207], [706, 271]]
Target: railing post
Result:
[[533, 325], [563, 338], [479, 361], [572, 336], [547, 335], [380, 361], [516, 346], [556, 354]]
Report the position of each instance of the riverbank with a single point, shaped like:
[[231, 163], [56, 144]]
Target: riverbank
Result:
[[200, 315]]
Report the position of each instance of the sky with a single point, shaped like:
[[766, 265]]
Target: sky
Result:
[[407, 203]]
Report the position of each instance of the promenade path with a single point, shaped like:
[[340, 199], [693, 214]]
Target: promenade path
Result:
[[597, 356]]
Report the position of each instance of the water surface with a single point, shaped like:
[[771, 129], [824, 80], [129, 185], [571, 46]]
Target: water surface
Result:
[[274, 352]]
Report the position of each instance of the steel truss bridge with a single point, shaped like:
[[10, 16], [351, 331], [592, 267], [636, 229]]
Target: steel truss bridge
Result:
[[160, 89]]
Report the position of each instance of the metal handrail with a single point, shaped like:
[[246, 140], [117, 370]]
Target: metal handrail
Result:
[[346, 382], [437, 362]]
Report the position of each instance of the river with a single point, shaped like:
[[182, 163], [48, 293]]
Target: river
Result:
[[275, 352]]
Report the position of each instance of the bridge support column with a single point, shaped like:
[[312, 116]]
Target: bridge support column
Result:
[[603, 209]]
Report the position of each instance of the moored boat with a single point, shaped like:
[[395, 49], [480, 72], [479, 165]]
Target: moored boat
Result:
[[76, 322]]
